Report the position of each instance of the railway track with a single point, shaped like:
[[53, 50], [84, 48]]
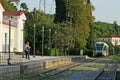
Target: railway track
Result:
[[107, 73], [57, 70]]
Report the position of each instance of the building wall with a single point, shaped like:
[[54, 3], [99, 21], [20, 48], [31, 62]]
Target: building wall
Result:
[[5, 41], [16, 31], [1, 17], [20, 35], [114, 41]]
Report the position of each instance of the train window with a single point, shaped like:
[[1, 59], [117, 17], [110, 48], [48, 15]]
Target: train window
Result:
[[99, 46]]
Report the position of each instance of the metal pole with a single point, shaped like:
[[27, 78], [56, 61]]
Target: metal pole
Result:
[[34, 41], [49, 38], [55, 42], [23, 38], [42, 41], [9, 41]]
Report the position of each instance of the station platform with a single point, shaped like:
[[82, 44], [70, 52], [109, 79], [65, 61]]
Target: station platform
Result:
[[37, 63]]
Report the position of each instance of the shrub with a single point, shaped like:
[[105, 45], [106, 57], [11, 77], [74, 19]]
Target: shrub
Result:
[[54, 52], [88, 52], [74, 51]]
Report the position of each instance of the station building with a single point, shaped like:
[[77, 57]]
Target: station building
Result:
[[13, 22], [115, 40]]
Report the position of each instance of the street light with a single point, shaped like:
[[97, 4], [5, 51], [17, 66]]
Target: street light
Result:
[[23, 37], [55, 41], [42, 41], [49, 38], [34, 41], [9, 40]]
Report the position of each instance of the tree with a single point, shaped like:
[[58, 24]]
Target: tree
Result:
[[117, 28], [60, 15], [16, 1], [76, 15], [101, 29], [39, 19], [89, 9], [8, 6], [24, 6]]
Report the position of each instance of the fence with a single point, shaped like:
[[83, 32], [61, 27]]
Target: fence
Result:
[[14, 58]]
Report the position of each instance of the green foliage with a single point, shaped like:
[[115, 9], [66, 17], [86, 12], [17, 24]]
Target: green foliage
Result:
[[8, 6], [115, 57], [74, 51], [24, 6], [117, 49], [47, 52], [39, 19], [88, 52], [60, 15], [101, 29], [55, 52], [80, 23], [16, 1], [75, 17]]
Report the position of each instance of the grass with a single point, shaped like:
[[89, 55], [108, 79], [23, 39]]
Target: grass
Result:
[[37, 77], [88, 67], [115, 57]]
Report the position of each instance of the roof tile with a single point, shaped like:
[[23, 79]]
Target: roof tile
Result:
[[13, 13]]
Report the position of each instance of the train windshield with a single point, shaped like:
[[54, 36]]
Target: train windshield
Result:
[[99, 46]]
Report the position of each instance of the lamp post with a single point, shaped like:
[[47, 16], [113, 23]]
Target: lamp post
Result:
[[23, 37], [9, 41], [49, 38], [55, 41], [34, 41], [42, 41]]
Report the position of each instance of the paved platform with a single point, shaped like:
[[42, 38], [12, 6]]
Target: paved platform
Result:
[[16, 59], [36, 64]]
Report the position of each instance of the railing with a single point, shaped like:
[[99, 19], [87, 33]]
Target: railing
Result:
[[14, 58]]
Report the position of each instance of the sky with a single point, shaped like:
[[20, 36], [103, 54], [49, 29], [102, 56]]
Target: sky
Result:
[[105, 10]]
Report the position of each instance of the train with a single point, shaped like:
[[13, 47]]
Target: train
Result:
[[101, 49]]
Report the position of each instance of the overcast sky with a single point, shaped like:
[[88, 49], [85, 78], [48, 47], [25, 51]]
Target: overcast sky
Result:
[[105, 10]]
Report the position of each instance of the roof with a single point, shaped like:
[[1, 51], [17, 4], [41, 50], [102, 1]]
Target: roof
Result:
[[111, 36], [13, 13]]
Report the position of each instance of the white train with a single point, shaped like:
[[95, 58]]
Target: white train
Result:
[[101, 48]]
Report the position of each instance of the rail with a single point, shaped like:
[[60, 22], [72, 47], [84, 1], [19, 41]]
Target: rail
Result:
[[108, 73]]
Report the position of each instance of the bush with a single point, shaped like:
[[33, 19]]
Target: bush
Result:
[[47, 52], [74, 51], [55, 52], [117, 49], [88, 52]]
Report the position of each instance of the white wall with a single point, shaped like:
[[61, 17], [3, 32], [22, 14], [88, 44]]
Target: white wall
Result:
[[20, 35], [6, 30], [1, 17]]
